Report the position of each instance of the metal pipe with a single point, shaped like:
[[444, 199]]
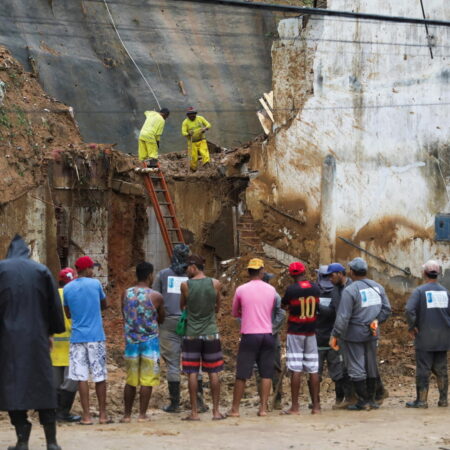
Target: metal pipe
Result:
[[323, 12]]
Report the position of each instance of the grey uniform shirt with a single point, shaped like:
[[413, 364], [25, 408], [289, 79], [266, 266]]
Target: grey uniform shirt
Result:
[[361, 303], [428, 310], [167, 283]]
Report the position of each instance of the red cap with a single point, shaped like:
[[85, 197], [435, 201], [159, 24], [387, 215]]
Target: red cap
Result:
[[191, 110], [297, 268], [67, 275], [84, 262]]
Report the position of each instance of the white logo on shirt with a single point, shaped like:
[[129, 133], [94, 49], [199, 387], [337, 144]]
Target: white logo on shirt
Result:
[[174, 283], [436, 299], [325, 301], [370, 297]]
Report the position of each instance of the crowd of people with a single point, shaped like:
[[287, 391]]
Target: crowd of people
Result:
[[333, 319]]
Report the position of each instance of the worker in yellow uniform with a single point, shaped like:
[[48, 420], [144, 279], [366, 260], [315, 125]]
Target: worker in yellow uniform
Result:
[[150, 135], [194, 128], [66, 389]]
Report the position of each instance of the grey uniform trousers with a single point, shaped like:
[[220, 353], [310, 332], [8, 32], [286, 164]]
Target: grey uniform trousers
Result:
[[334, 364], [170, 347], [360, 359]]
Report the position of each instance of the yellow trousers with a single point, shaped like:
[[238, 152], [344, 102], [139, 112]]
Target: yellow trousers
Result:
[[196, 148], [147, 150]]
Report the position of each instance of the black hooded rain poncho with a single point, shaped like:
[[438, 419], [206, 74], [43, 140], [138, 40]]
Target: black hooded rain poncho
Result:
[[30, 311]]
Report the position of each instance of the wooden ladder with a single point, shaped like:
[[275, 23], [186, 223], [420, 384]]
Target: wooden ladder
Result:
[[162, 203]]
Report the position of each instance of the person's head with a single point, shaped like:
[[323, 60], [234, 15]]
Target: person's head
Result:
[[431, 270], [337, 274], [323, 279], [358, 268], [297, 270], [267, 277], [66, 276], [180, 255], [144, 272], [84, 266], [195, 265], [165, 113], [191, 113], [255, 268]]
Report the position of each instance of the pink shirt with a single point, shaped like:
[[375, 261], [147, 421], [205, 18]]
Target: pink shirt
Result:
[[254, 302]]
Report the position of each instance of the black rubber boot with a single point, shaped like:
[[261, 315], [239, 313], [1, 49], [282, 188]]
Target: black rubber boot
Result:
[[345, 386], [422, 395], [174, 393], [50, 436], [371, 392], [442, 382], [381, 392], [65, 402], [202, 407], [363, 397], [23, 436]]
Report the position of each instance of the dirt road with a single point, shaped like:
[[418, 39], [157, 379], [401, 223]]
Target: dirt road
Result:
[[392, 427]]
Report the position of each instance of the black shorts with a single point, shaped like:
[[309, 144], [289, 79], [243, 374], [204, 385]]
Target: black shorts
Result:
[[259, 348], [204, 351]]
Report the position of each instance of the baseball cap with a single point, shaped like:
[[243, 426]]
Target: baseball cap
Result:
[[255, 264], [432, 266], [191, 110], [322, 270], [358, 264], [267, 277], [297, 268], [67, 275], [84, 262], [335, 267]]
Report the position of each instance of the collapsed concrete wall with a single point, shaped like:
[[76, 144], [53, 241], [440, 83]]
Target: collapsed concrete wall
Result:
[[361, 140]]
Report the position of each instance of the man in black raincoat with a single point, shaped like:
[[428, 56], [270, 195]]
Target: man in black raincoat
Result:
[[30, 312]]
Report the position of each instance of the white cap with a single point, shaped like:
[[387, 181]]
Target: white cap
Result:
[[431, 266]]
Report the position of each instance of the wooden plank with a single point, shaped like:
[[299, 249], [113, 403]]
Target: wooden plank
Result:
[[265, 122], [269, 99], [266, 107]]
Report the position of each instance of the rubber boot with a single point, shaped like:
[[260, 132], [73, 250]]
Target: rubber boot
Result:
[[371, 392], [422, 395], [349, 395], [363, 397], [381, 392], [23, 436], [50, 436], [202, 407], [174, 393], [442, 382], [65, 402]]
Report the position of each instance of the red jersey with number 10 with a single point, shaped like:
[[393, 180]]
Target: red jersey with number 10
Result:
[[302, 299]]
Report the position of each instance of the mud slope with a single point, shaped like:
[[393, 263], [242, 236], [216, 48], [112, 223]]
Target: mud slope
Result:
[[221, 55]]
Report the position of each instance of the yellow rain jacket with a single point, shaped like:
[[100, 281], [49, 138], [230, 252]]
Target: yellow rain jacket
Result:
[[60, 351], [150, 135], [197, 144], [195, 126]]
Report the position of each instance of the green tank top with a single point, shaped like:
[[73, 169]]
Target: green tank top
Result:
[[201, 308]]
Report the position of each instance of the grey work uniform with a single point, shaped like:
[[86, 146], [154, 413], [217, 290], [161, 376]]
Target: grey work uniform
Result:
[[167, 283], [361, 303], [428, 310]]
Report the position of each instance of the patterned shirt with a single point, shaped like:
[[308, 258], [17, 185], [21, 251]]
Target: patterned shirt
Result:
[[140, 315]]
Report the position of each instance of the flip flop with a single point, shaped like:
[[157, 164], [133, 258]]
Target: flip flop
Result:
[[190, 419], [85, 423], [222, 417], [107, 422]]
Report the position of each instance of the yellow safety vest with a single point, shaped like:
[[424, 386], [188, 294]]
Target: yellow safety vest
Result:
[[60, 351]]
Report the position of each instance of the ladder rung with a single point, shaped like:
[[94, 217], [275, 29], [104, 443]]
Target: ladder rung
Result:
[[164, 203], [160, 190], [177, 242], [168, 217], [172, 229]]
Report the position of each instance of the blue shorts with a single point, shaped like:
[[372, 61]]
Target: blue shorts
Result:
[[142, 362]]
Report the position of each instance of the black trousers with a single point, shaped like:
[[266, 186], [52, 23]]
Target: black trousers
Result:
[[46, 417], [430, 362]]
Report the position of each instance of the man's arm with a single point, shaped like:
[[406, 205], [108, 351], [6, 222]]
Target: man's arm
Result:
[[412, 306], [236, 307], [343, 314], [218, 288], [67, 311], [103, 302], [278, 316], [386, 310], [158, 303], [206, 124], [184, 129], [184, 295]]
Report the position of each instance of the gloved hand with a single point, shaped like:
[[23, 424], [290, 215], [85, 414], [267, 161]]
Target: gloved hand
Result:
[[374, 327], [334, 343]]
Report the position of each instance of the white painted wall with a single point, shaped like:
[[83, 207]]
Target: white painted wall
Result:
[[380, 106]]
